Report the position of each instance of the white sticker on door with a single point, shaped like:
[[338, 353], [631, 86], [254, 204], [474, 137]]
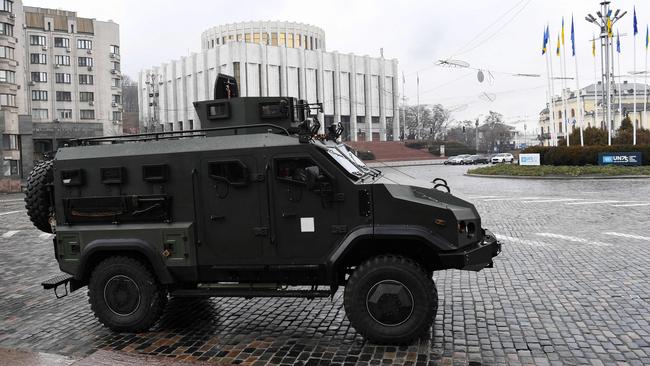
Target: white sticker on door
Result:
[[307, 224]]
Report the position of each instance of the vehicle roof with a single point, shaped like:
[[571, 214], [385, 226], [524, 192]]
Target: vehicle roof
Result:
[[195, 144]]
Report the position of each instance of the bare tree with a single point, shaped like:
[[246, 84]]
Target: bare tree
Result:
[[430, 124]]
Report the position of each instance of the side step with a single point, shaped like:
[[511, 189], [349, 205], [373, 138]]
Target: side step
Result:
[[55, 282], [249, 293]]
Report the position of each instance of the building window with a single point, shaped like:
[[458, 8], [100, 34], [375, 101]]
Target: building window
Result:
[[87, 114], [62, 60], [283, 39], [236, 72], [304, 42], [63, 96], [290, 40], [39, 114], [180, 125], [11, 167], [84, 44], [85, 61], [86, 97], [256, 37], [8, 100], [117, 116], [39, 95], [6, 52], [114, 50], [86, 79], [62, 78], [560, 127], [61, 42], [37, 40], [311, 43], [265, 38], [7, 76], [573, 112], [274, 39], [247, 37], [10, 142], [116, 83], [191, 124], [116, 98], [298, 41], [39, 77], [38, 58], [115, 65], [171, 126], [64, 113], [8, 6], [6, 29]]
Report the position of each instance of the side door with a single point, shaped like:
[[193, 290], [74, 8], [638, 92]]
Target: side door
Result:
[[232, 195], [305, 211]]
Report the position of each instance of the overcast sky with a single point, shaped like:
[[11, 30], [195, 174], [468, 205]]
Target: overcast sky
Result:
[[504, 36]]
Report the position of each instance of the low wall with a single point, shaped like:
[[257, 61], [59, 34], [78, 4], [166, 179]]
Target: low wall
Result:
[[8, 185]]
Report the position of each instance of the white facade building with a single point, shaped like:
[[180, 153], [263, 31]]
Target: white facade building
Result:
[[276, 59]]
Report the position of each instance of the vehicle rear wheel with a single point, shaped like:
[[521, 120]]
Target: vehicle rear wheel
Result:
[[390, 299], [37, 197], [125, 296]]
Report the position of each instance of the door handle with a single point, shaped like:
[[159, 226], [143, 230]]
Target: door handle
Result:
[[288, 214], [217, 217]]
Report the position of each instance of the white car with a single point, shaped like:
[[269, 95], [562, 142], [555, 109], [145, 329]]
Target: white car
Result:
[[503, 158]]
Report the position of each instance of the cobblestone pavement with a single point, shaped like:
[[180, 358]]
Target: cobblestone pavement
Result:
[[571, 287]]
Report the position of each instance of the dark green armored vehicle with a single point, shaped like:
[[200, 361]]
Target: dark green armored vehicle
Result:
[[256, 203]]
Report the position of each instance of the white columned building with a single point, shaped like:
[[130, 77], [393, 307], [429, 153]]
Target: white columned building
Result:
[[275, 59]]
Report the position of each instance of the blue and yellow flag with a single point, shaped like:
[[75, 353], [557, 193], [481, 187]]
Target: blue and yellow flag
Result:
[[634, 23], [593, 46], [646, 37], [562, 31], [609, 27], [573, 38], [544, 42], [618, 42], [557, 51]]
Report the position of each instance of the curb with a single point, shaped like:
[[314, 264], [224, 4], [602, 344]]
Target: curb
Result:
[[557, 177]]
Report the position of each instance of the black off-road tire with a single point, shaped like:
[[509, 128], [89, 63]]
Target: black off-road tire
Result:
[[396, 269], [151, 301], [37, 196]]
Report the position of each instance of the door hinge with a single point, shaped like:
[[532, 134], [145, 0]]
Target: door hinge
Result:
[[261, 231]]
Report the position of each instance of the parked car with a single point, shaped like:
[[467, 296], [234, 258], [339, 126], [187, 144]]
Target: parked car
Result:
[[449, 160], [475, 159], [457, 160], [503, 158]]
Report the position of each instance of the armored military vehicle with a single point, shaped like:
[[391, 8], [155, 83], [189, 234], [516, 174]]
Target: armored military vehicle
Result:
[[255, 203]]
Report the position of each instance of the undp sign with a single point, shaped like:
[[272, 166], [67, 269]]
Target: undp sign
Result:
[[622, 158], [529, 159]]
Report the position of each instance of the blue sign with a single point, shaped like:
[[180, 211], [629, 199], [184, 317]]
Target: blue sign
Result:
[[620, 158]]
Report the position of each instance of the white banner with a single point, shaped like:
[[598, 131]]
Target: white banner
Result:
[[529, 159]]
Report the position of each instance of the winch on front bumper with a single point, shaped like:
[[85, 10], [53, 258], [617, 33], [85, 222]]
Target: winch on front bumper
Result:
[[473, 258]]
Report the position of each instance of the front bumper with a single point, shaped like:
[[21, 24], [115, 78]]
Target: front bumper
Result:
[[474, 258]]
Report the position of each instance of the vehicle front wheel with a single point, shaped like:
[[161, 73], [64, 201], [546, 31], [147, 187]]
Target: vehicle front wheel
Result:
[[125, 296], [391, 299]]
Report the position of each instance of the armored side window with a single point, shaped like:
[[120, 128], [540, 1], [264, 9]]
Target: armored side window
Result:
[[218, 110], [232, 172], [274, 110], [301, 171], [155, 173], [72, 178], [114, 175]]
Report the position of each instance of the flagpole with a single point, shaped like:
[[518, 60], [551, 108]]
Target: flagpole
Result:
[[635, 31], [620, 82], [645, 83], [549, 66], [595, 82], [579, 99], [564, 84]]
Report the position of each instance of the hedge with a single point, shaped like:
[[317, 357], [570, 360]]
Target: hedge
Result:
[[416, 144], [452, 148], [583, 155]]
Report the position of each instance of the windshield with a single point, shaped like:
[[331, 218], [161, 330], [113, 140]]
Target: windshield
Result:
[[347, 161]]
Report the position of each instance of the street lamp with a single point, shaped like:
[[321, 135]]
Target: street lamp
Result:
[[605, 22]]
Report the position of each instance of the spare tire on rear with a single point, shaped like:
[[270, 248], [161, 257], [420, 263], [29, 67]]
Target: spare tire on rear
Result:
[[38, 200]]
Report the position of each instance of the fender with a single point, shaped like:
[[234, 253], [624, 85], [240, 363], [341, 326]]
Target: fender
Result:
[[434, 241], [122, 245]]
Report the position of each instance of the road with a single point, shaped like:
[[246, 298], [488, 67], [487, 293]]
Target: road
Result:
[[571, 287]]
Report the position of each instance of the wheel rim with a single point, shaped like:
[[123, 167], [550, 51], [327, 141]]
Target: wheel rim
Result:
[[389, 303], [122, 295]]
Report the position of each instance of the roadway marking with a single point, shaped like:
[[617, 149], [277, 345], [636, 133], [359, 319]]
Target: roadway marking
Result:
[[554, 200], [512, 198], [632, 205], [629, 236], [46, 236], [12, 200], [11, 212], [520, 241], [591, 202], [572, 239], [10, 233], [481, 197]]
